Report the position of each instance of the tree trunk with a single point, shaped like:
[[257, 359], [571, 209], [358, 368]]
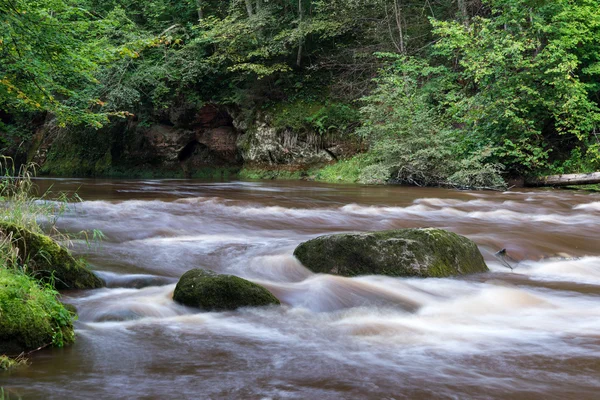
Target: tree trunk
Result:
[[200, 12], [249, 8], [463, 11], [565, 180], [301, 44], [399, 24]]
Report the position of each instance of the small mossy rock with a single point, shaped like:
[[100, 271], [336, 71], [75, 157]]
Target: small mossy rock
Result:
[[48, 261], [30, 315], [403, 252], [213, 292]]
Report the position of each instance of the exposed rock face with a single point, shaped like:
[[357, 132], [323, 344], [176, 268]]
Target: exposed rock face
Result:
[[403, 252], [212, 292], [180, 140], [264, 145], [48, 261]]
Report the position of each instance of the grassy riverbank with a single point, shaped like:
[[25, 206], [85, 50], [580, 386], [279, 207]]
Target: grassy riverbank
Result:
[[31, 314]]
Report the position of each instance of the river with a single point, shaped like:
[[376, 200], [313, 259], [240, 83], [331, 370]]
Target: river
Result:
[[529, 333]]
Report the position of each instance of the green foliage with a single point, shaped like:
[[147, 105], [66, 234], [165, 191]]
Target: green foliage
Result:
[[525, 76], [410, 141], [514, 82], [305, 117], [49, 53], [18, 203]]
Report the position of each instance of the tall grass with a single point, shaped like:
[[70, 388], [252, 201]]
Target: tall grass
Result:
[[21, 205]]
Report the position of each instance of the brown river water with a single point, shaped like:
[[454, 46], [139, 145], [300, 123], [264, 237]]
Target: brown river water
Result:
[[530, 333]]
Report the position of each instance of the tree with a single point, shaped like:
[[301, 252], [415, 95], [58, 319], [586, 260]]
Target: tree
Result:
[[527, 79], [49, 52]]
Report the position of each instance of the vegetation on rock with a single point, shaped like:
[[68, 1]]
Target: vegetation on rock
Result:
[[404, 252], [32, 267], [213, 292], [30, 315], [40, 256]]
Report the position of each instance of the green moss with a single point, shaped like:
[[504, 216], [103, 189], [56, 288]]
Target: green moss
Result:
[[30, 315], [80, 151], [212, 292], [402, 252], [46, 260]]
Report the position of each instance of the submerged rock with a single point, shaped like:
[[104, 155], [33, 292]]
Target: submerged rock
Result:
[[213, 292], [48, 261], [403, 252]]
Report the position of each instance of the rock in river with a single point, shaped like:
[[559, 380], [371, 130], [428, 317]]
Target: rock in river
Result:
[[403, 252], [213, 292]]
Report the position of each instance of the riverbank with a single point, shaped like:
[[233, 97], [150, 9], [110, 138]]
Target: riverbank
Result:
[[33, 267]]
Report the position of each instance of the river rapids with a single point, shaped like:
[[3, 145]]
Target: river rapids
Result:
[[528, 333]]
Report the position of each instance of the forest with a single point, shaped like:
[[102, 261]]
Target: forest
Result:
[[464, 93]]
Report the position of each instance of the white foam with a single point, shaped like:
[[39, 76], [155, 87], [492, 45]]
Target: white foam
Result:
[[595, 206]]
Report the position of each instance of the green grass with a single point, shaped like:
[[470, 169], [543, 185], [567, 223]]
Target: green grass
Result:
[[344, 171]]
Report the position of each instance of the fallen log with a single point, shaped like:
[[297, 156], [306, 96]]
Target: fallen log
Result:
[[564, 180]]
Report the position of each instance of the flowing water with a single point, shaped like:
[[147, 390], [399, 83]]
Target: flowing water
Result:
[[530, 333]]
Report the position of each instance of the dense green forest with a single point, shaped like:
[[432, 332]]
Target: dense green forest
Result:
[[466, 93]]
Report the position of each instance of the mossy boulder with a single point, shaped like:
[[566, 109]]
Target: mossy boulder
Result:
[[213, 292], [402, 252], [30, 315], [48, 261]]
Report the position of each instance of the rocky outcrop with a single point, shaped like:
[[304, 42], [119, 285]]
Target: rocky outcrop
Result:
[[181, 141], [174, 142], [265, 145], [213, 292], [47, 261], [403, 252]]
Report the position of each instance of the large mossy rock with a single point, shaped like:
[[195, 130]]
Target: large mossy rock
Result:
[[213, 292], [30, 315], [402, 252], [48, 261]]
